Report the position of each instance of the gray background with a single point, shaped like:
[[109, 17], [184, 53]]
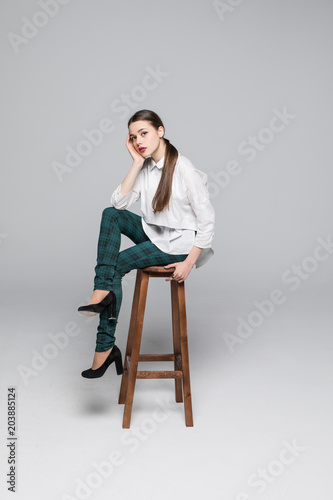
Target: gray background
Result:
[[224, 75]]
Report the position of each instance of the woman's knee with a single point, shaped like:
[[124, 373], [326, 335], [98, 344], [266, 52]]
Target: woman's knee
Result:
[[109, 211]]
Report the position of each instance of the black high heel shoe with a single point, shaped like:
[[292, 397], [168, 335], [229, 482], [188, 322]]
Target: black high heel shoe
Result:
[[115, 355], [109, 301]]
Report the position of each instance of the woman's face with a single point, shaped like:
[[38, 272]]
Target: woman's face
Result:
[[145, 138]]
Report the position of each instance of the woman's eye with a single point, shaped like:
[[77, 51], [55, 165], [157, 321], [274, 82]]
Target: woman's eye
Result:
[[143, 133]]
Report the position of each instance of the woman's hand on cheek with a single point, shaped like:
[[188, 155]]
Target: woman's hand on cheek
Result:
[[136, 155]]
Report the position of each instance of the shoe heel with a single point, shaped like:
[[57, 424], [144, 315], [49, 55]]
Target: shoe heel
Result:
[[119, 365], [112, 312]]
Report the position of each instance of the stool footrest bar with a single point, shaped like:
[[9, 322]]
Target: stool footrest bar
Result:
[[156, 357], [159, 374]]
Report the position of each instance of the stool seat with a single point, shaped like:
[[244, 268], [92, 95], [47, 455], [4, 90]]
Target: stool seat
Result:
[[180, 356], [158, 271]]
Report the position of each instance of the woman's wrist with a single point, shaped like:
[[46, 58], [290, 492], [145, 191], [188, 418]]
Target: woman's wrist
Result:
[[129, 181], [137, 164], [193, 255]]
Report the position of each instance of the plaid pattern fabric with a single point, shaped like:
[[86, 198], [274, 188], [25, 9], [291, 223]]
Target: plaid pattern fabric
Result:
[[112, 264]]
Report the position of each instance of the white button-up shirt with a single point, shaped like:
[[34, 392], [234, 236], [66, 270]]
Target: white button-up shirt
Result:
[[190, 219]]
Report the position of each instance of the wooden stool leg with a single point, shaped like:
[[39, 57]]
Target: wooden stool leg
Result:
[[129, 346], [176, 339], [185, 355], [135, 350]]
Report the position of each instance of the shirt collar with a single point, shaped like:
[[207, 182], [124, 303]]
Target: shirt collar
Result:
[[159, 164]]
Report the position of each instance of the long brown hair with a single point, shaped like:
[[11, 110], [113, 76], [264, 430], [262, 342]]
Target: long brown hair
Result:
[[163, 192]]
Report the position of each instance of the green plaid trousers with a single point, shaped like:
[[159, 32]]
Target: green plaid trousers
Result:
[[112, 264]]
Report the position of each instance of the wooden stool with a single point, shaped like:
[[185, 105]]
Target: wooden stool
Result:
[[180, 355]]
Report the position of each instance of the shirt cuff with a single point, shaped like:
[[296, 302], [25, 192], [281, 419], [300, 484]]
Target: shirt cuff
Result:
[[119, 200]]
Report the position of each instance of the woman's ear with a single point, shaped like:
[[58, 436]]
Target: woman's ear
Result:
[[161, 131]]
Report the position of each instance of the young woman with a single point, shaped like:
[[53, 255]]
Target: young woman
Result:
[[176, 228]]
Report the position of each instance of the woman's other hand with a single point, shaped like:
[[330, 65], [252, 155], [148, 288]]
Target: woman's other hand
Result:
[[181, 272]]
